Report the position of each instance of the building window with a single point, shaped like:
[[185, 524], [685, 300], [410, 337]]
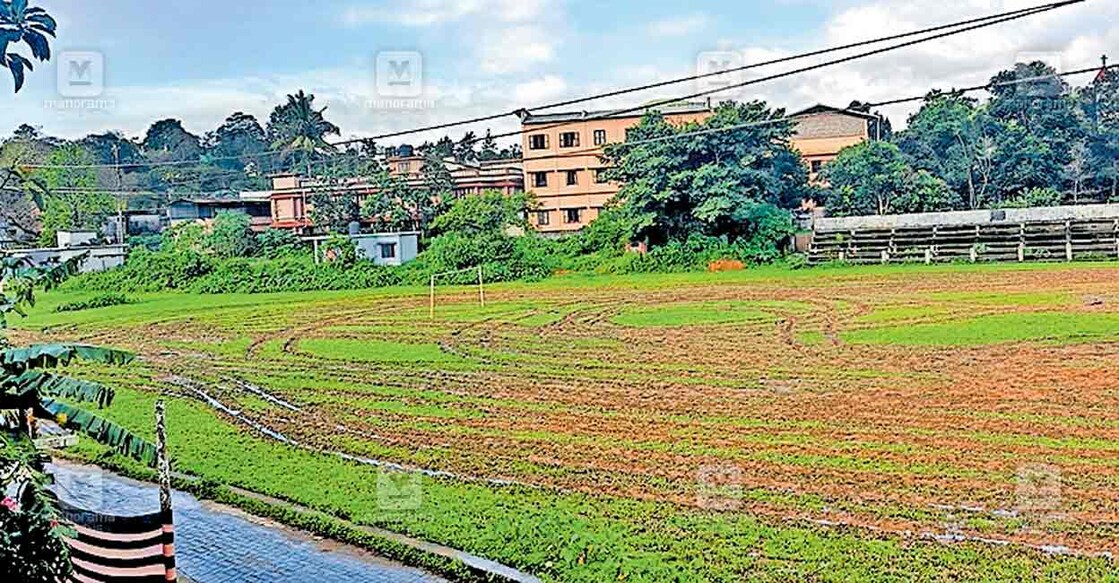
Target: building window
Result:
[[600, 176], [538, 142], [540, 179], [572, 216], [543, 218], [388, 250], [569, 139], [600, 137], [817, 166], [572, 177], [404, 167]]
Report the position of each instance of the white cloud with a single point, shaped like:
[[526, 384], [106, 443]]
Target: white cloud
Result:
[[515, 49], [434, 12], [539, 90], [1075, 36], [679, 26], [511, 49]]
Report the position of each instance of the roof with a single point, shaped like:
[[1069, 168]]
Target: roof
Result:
[[821, 108], [215, 201], [528, 118]]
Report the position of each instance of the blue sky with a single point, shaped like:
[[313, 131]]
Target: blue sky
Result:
[[202, 60]]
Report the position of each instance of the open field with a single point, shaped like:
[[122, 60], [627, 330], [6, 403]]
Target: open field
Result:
[[821, 424]]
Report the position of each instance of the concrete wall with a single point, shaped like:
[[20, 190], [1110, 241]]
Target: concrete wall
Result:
[[100, 258], [980, 217]]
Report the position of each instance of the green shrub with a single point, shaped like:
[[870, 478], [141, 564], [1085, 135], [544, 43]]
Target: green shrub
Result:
[[104, 300], [148, 271], [231, 236], [279, 244], [292, 275]]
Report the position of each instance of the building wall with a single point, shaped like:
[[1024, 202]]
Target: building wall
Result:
[[584, 199], [819, 138]]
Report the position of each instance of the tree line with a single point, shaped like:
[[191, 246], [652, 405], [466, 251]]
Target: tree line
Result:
[[49, 183], [1036, 142]]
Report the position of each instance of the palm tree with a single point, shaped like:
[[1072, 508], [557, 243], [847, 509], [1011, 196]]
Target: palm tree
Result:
[[22, 24], [297, 127]]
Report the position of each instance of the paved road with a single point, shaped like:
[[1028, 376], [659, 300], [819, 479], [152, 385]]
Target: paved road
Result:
[[218, 545]]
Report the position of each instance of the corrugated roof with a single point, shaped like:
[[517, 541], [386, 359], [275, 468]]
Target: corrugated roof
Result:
[[821, 108], [679, 108]]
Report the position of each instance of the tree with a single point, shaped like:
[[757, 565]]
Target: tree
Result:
[[20, 23], [299, 130], [873, 178], [441, 150], [396, 206], [465, 149], [437, 178], [1099, 103], [231, 236], [113, 148], [709, 184], [489, 149], [237, 142], [949, 137], [168, 140], [71, 199]]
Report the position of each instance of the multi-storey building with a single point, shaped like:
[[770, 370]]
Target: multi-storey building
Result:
[[291, 193], [822, 131], [563, 165]]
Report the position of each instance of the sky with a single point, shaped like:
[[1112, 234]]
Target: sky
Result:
[[390, 65]]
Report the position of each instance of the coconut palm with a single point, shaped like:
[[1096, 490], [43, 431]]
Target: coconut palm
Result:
[[296, 127], [32, 26]]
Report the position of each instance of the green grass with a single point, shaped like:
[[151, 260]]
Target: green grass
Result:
[[558, 535], [573, 537], [1062, 327], [374, 351], [702, 314]]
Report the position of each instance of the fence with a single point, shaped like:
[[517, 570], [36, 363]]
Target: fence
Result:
[[1066, 233]]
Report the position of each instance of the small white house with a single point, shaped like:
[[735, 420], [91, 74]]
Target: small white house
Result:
[[381, 248]]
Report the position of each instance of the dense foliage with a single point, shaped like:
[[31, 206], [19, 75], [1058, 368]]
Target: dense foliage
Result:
[[1037, 141], [715, 184]]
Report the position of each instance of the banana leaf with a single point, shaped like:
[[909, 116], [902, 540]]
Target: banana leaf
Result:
[[103, 431], [18, 360], [49, 385]]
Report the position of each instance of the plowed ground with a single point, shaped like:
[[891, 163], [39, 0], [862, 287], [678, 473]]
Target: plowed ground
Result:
[[956, 401]]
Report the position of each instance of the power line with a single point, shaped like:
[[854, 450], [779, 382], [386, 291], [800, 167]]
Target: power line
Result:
[[697, 77], [668, 101], [708, 131], [970, 24]]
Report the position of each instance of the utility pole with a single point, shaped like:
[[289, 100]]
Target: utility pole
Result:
[[122, 226]]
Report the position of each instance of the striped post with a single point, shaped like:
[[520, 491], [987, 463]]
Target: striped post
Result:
[[117, 548]]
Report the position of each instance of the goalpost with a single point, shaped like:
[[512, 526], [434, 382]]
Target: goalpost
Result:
[[481, 286]]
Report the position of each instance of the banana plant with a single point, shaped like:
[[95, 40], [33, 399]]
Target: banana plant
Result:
[[28, 383], [27, 380]]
